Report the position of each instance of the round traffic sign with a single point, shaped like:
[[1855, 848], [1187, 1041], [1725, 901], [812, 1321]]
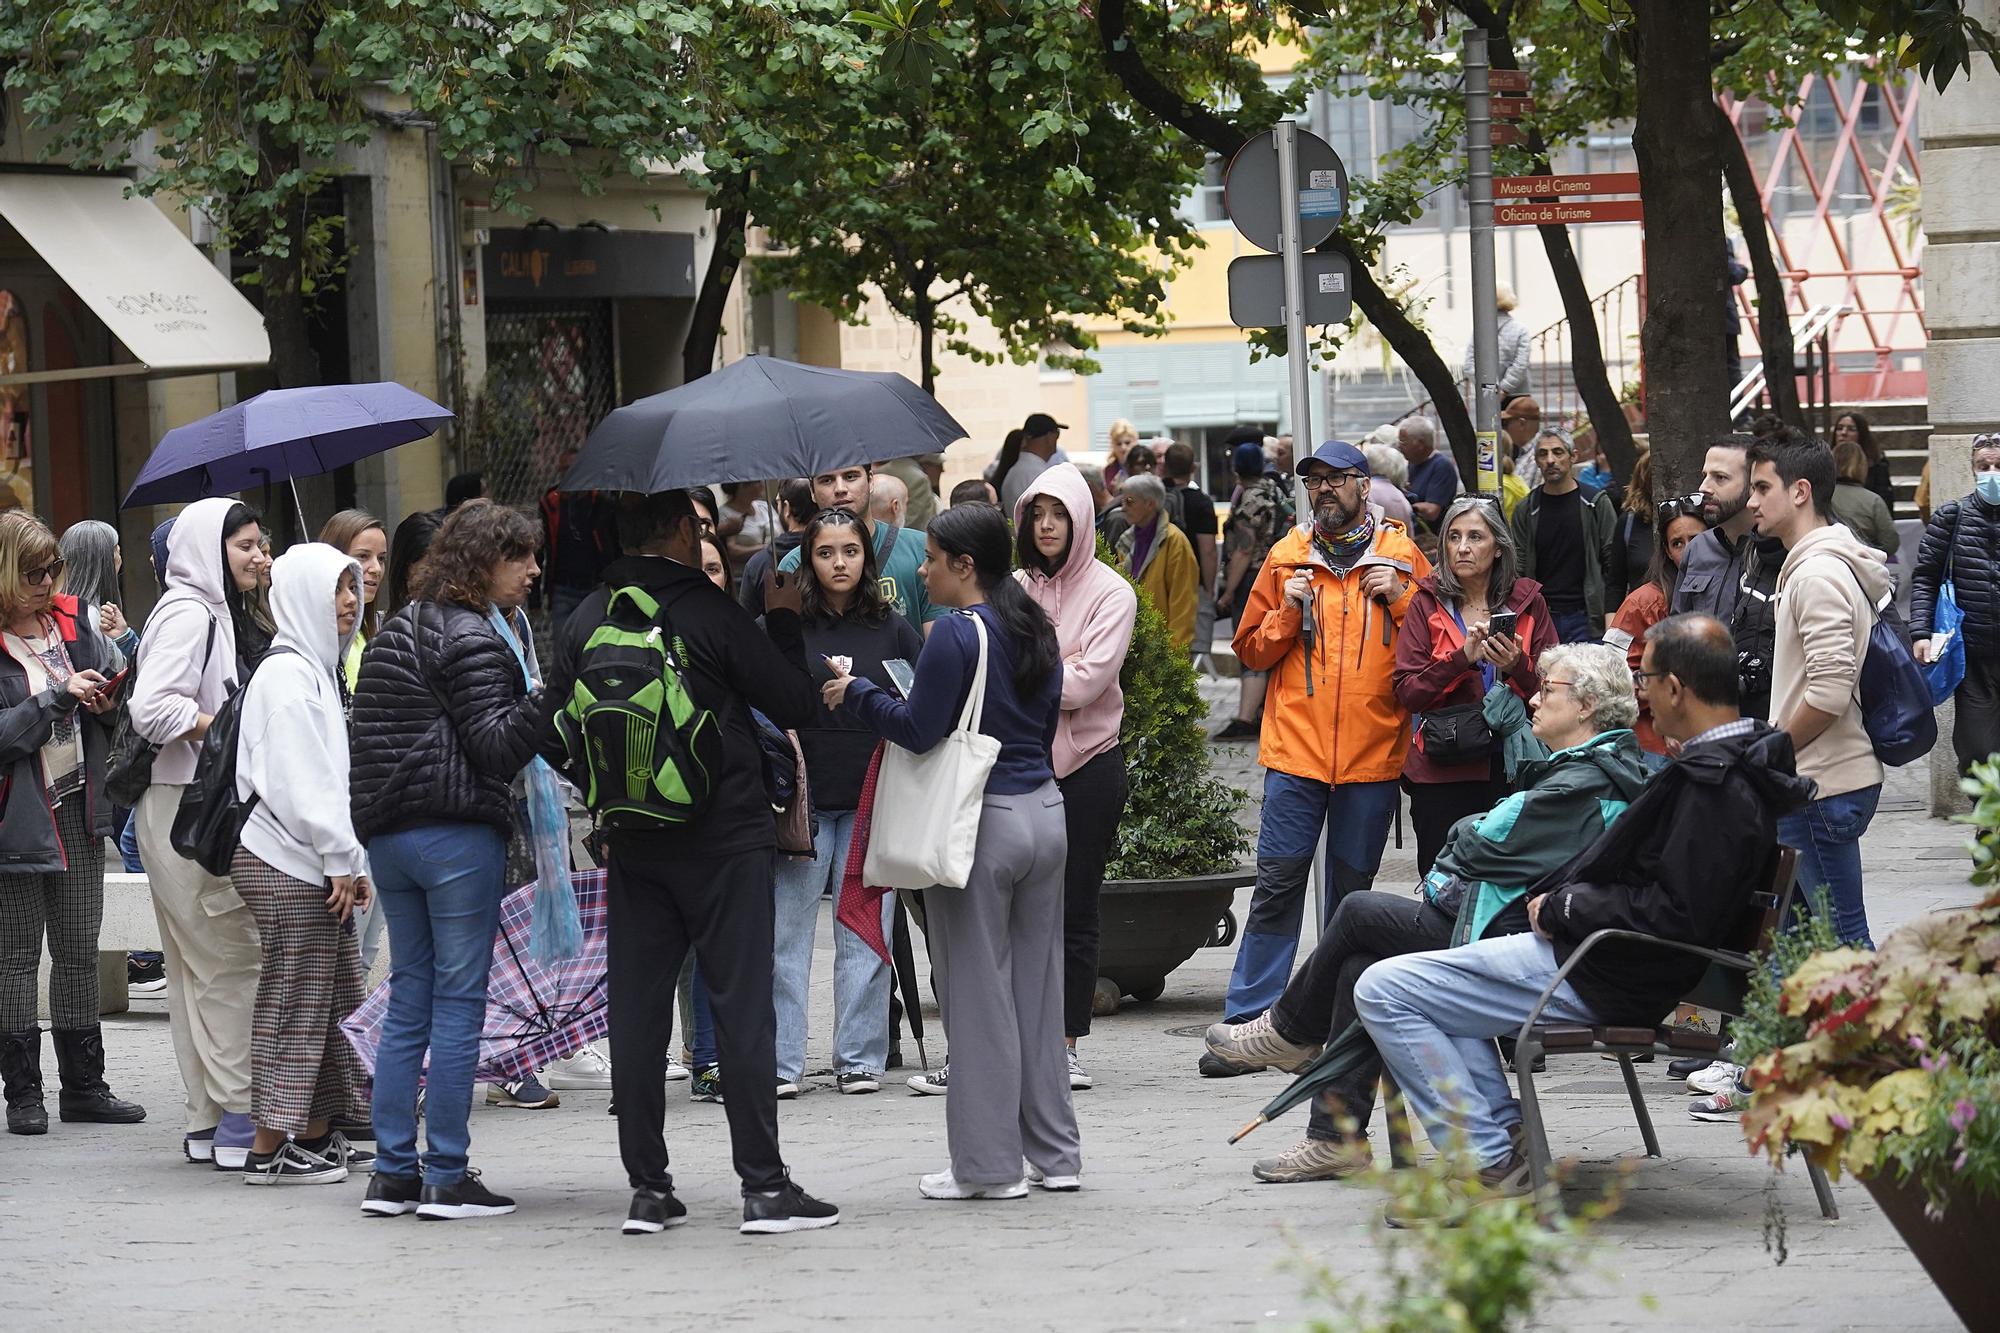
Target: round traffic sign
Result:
[[1250, 190]]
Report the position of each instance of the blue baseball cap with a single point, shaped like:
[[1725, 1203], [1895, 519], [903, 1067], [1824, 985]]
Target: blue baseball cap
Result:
[[1248, 460], [1338, 454]]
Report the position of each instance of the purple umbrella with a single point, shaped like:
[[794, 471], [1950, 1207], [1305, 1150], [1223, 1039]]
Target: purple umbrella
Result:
[[535, 1015], [281, 434]]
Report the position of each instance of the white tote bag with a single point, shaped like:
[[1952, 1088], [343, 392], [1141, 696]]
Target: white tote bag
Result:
[[925, 824]]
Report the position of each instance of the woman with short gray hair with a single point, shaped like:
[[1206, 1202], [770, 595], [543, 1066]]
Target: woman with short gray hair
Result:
[[1597, 677], [1473, 623], [1389, 473]]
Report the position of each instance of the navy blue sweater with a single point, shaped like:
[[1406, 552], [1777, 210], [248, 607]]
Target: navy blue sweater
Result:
[[1025, 728]]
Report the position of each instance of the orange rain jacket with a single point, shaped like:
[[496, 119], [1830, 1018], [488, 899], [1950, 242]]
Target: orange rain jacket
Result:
[[1350, 728]]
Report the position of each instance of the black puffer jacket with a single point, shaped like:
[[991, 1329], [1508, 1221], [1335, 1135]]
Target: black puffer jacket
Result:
[[442, 722], [1965, 535]]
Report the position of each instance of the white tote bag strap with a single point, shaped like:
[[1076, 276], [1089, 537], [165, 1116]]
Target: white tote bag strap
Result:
[[975, 703]]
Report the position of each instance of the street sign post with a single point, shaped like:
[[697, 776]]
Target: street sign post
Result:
[[1566, 213], [1257, 290], [1481, 134]]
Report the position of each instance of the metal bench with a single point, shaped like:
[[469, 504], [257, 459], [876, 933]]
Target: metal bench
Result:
[[1722, 988]]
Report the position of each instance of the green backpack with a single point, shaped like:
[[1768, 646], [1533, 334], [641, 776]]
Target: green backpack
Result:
[[647, 753]]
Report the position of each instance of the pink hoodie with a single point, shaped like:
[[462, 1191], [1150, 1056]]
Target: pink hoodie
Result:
[[1093, 608]]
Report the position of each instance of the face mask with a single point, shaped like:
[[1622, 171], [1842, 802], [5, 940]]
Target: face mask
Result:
[[1987, 484]]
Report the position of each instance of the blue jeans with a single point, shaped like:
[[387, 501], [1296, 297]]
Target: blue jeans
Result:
[[1356, 818], [1434, 1017], [860, 977], [440, 886], [1573, 627], [1827, 834], [701, 1042], [128, 844]]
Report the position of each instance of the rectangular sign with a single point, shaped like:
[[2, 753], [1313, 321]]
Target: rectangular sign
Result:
[[1538, 215], [585, 263], [1257, 290], [1507, 80], [1319, 203], [1555, 187], [1510, 108], [1501, 136]]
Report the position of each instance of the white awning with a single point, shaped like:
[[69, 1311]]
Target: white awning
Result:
[[158, 294]]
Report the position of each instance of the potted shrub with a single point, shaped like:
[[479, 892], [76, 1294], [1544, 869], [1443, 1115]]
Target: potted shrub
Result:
[[1179, 858], [1887, 1065]]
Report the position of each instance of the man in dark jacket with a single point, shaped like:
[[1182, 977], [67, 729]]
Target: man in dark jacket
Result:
[[707, 884], [1731, 573], [1681, 864], [1962, 545], [795, 512], [1564, 533]]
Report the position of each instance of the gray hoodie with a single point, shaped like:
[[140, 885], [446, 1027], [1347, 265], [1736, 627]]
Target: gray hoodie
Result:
[[291, 748], [187, 659]]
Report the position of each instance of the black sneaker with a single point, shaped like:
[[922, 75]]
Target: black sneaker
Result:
[[787, 1209], [706, 1086], [654, 1211], [292, 1164], [335, 1148], [467, 1198], [857, 1081], [1238, 730], [1678, 1070], [391, 1196], [355, 1131], [1211, 1067]]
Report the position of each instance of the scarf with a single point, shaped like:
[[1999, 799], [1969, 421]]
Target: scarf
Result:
[[1344, 548]]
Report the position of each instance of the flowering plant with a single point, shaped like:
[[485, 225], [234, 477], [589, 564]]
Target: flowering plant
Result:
[[1887, 1061]]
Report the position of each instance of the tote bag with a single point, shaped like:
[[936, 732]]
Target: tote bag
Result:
[[927, 806]]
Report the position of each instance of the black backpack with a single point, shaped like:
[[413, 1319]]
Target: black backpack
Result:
[[208, 826]]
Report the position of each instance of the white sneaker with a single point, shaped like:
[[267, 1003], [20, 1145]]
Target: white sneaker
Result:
[[932, 1084], [944, 1185], [788, 1090], [1718, 1077], [1059, 1184], [587, 1069], [1079, 1077], [676, 1071]]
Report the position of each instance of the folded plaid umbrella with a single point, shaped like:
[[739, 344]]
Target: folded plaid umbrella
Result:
[[534, 1014]]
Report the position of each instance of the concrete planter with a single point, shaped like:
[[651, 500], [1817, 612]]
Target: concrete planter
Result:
[[1956, 1249], [1152, 926]]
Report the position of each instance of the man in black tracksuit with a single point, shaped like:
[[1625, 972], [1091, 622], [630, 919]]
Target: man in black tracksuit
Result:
[[707, 885]]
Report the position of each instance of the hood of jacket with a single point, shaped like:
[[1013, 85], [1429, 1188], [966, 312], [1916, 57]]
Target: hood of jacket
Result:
[[1615, 754], [1765, 758], [1066, 484], [1838, 541], [194, 551], [159, 544], [303, 582]]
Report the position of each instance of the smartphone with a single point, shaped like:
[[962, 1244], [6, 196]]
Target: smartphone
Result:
[[1503, 622], [109, 689], [901, 674]]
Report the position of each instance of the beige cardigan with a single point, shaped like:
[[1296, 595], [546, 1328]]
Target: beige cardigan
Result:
[[1827, 593]]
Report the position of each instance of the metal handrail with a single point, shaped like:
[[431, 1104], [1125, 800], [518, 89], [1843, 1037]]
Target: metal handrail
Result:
[[1821, 319]]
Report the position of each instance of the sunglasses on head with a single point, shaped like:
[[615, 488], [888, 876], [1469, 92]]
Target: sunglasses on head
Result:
[[1681, 506]]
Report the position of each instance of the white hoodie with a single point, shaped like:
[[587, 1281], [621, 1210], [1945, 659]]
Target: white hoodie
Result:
[[174, 688], [291, 750]]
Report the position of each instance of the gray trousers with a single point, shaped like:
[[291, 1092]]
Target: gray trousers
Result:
[[997, 949]]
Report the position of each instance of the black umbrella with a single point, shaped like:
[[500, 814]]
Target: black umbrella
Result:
[[757, 419], [1342, 1056]]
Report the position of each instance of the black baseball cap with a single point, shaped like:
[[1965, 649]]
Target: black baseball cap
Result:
[[1040, 423]]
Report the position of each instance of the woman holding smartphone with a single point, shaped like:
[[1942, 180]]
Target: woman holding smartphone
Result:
[[1471, 623], [851, 626]]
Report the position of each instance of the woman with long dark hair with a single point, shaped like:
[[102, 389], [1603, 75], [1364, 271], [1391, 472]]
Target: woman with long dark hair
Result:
[[997, 943], [1676, 522], [1010, 454], [412, 543], [1852, 426], [191, 658], [55, 702], [360, 536], [443, 720], [1093, 609], [847, 623]]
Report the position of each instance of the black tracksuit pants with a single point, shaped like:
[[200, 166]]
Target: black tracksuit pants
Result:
[[1093, 803], [662, 902]]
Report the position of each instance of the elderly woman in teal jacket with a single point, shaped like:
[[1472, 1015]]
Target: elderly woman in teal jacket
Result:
[[1592, 769]]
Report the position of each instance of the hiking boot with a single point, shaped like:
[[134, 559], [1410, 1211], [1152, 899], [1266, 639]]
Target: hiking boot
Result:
[[1257, 1045], [1316, 1159], [1507, 1178]]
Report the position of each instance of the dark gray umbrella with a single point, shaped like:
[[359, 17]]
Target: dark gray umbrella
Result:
[[757, 419]]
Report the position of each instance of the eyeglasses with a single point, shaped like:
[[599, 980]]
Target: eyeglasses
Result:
[[48, 573], [1639, 678], [1570, 684], [1328, 481], [1681, 506]]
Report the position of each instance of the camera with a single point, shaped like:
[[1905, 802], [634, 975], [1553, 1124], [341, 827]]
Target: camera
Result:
[[1753, 674]]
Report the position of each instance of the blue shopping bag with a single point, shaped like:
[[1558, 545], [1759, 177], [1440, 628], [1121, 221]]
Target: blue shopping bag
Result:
[[1947, 669]]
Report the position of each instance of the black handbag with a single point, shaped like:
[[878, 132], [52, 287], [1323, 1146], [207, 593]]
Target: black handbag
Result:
[[1456, 735], [129, 770]]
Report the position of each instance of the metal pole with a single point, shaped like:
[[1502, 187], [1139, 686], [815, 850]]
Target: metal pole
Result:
[[1298, 360], [1485, 307]]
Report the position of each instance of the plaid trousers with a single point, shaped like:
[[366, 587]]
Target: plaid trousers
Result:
[[302, 1068], [68, 907]]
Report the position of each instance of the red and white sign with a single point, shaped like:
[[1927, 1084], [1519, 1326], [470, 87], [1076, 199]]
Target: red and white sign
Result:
[[1511, 108], [1501, 136], [1507, 80], [1555, 187], [1565, 214]]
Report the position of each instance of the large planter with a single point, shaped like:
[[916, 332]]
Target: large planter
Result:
[[1956, 1249], [1149, 927]]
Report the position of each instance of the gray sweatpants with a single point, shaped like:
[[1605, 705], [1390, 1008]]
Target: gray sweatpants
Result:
[[996, 947]]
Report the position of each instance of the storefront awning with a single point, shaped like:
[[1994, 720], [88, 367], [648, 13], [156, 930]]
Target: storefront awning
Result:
[[158, 294]]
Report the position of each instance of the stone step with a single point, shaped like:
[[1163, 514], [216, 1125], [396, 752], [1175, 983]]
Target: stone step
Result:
[[1889, 412]]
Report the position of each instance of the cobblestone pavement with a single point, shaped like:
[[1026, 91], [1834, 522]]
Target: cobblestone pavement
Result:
[[105, 1225]]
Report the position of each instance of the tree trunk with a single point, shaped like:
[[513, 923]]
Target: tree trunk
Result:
[[705, 327], [1680, 178], [926, 318], [1223, 137], [281, 278], [1774, 316]]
